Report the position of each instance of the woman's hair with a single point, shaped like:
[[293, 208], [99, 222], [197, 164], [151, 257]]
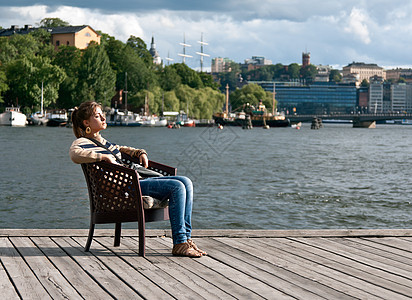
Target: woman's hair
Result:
[[84, 112]]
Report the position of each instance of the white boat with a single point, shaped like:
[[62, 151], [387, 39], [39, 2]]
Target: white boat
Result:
[[153, 121], [119, 118], [13, 117], [38, 118]]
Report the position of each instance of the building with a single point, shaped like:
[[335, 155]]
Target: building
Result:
[[363, 71], [315, 98], [375, 103], [305, 59], [220, 65], [255, 62], [156, 58], [396, 74], [323, 73], [77, 36]]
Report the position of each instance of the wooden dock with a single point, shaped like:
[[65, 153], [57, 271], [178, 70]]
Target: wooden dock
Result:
[[242, 264]]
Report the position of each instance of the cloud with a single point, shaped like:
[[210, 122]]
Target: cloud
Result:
[[357, 25]]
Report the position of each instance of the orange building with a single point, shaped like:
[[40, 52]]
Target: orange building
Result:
[[78, 36]]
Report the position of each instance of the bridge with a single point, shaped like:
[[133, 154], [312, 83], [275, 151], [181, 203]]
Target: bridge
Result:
[[359, 120]]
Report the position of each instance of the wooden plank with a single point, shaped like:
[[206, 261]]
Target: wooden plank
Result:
[[314, 277], [404, 244], [51, 279], [378, 278], [25, 281], [143, 285], [79, 279], [217, 233], [376, 251], [277, 280], [128, 251], [216, 285], [357, 255], [96, 269], [6, 286], [372, 243]]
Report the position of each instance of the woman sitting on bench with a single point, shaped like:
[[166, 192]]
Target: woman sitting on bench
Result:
[[88, 120]]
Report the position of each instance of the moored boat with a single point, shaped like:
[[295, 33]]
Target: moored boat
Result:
[[56, 118], [122, 118], [13, 117]]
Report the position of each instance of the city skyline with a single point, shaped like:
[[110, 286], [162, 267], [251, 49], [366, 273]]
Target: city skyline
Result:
[[335, 33]]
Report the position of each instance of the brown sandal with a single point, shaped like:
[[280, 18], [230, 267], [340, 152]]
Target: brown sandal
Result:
[[193, 245], [184, 249]]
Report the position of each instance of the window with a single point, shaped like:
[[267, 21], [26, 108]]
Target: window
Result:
[[87, 34], [57, 43], [68, 43]]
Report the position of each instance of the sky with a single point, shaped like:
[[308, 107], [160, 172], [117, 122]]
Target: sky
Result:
[[334, 32]]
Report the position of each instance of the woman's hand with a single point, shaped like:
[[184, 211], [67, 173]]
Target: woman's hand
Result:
[[109, 158], [144, 160]]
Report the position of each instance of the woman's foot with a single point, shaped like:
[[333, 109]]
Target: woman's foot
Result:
[[185, 249], [193, 245]]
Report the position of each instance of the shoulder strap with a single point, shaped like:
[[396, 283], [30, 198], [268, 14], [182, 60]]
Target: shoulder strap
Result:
[[103, 146]]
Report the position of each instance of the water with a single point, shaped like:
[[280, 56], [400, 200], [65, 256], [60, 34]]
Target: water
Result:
[[282, 178]]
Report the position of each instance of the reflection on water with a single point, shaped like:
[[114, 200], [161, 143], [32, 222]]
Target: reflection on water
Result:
[[282, 178]]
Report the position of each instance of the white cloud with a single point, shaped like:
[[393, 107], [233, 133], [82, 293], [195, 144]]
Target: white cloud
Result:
[[357, 25]]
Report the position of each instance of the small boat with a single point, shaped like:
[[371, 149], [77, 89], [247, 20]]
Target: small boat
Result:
[[153, 121], [121, 118], [13, 117], [56, 118], [38, 118]]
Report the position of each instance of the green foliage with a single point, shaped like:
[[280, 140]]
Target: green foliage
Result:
[[3, 85], [53, 22], [27, 88], [252, 94], [96, 78], [364, 83], [139, 46], [188, 76], [335, 76]]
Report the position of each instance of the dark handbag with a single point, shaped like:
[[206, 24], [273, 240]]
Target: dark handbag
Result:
[[143, 172]]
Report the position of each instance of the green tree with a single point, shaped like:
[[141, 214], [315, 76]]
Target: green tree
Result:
[[25, 76], [308, 73], [252, 94], [364, 83], [53, 22], [3, 85], [208, 81], [69, 59], [169, 79], [335, 76], [96, 78], [294, 71], [188, 76], [139, 46]]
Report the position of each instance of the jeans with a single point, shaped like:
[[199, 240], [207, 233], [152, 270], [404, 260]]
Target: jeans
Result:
[[179, 191]]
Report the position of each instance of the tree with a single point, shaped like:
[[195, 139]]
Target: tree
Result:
[[139, 46], [3, 85], [364, 83], [69, 59], [96, 78], [335, 76], [294, 71], [252, 94], [25, 76], [169, 79], [188, 76], [308, 73], [53, 22]]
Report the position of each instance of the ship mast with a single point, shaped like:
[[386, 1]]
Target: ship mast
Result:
[[184, 55], [201, 53], [273, 100], [227, 100]]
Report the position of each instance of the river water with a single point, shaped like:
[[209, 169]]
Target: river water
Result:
[[282, 178]]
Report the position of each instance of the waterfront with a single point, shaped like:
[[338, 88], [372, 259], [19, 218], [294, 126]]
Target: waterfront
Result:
[[282, 178]]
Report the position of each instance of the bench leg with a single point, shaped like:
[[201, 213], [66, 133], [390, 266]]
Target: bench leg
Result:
[[142, 239], [90, 238], [117, 233]]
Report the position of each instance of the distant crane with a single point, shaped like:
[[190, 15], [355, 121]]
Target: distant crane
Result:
[[184, 55], [201, 53]]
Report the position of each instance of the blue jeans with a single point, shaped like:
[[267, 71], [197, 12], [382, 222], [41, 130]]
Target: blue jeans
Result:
[[179, 191]]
